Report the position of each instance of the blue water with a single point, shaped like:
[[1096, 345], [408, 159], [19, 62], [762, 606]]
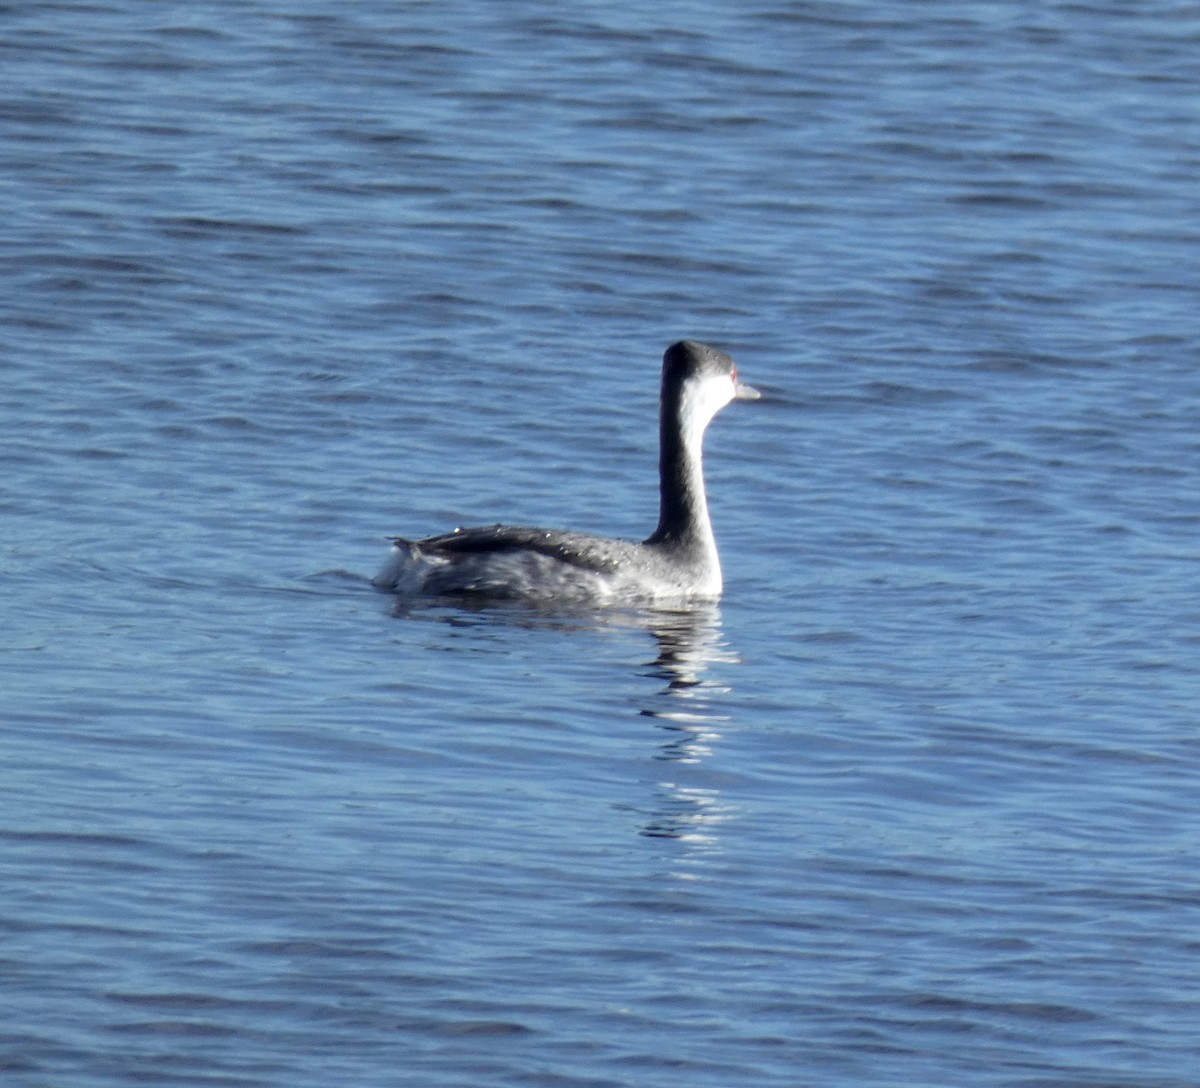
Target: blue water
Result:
[[916, 805]]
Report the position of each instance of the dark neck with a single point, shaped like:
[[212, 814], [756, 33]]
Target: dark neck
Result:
[[683, 510]]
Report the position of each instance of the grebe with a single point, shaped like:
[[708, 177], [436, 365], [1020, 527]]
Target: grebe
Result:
[[677, 562]]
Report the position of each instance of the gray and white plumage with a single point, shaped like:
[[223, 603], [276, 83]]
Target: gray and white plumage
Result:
[[676, 563]]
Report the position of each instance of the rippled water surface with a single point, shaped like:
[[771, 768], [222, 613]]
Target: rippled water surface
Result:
[[916, 805]]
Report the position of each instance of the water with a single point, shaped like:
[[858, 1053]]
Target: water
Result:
[[914, 806]]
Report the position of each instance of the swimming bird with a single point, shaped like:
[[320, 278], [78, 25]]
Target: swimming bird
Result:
[[676, 563]]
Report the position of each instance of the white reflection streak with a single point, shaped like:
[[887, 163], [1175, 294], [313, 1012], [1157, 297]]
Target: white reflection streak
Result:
[[689, 644], [704, 810]]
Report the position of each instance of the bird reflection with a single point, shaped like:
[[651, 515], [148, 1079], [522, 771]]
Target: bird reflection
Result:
[[689, 643], [684, 709]]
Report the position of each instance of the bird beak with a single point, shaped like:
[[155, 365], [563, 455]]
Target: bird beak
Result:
[[742, 391]]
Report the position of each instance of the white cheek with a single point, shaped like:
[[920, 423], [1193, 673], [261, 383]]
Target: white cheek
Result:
[[703, 400]]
